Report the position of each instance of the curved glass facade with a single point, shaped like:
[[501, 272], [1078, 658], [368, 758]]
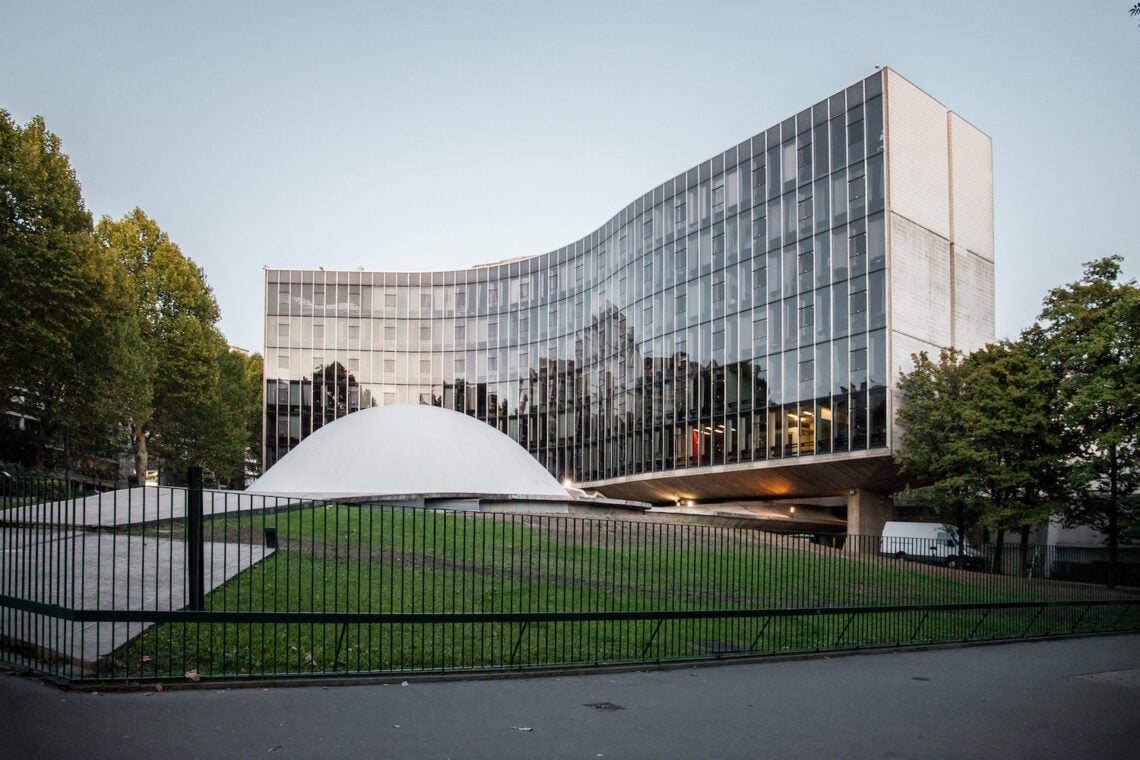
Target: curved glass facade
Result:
[[736, 313]]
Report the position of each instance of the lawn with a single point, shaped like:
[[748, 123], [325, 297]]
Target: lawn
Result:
[[382, 559]]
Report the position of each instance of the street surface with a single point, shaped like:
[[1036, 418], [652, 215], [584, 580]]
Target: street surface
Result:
[[1077, 698]]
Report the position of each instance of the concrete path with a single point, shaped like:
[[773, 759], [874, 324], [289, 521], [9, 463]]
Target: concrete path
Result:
[[1061, 699], [101, 571], [135, 506]]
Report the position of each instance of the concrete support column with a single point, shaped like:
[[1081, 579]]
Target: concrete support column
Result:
[[867, 512]]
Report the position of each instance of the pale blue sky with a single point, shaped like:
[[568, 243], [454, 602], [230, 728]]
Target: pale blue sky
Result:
[[430, 135]]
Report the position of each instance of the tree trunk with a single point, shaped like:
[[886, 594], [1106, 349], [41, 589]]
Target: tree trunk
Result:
[[1026, 567], [999, 544], [140, 454]]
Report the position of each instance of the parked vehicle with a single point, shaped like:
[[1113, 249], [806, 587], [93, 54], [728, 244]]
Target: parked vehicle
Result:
[[933, 543]]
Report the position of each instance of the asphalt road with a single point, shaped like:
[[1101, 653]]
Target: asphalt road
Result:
[[1077, 698]]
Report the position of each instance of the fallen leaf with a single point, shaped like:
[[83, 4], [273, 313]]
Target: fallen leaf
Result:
[[158, 687], [193, 675], [522, 728], [405, 683]]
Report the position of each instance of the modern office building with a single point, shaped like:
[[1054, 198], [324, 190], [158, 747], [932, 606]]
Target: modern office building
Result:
[[736, 333]]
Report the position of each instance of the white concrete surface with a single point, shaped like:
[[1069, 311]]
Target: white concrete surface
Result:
[[101, 571], [407, 449], [136, 506]]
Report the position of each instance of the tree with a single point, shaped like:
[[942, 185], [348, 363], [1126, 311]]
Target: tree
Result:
[[1011, 421], [936, 452], [254, 410], [238, 434], [174, 385], [1134, 10], [1087, 334], [63, 305]]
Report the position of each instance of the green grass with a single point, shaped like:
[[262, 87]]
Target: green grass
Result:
[[372, 559]]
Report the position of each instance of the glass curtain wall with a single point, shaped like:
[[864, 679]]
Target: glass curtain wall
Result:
[[736, 313]]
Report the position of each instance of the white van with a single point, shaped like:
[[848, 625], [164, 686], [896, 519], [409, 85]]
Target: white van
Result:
[[935, 543]]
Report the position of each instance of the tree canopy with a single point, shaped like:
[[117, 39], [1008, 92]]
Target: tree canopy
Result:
[[63, 304], [110, 332], [1087, 336], [1046, 425]]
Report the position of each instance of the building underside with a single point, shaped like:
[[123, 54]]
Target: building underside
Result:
[[833, 476]]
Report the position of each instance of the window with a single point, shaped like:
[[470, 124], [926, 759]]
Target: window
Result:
[[389, 333], [354, 364], [858, 301], [425, 368], [856, 189], [425, 333], [318, 333], [282, 361], [460, 334], [807, 316], [354, 332], [283, 330], [389, 366], [389, 300]]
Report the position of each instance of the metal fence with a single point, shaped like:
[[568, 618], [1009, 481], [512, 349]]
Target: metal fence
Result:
[[161, 583]]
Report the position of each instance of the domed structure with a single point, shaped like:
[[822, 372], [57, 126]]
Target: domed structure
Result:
[[408, 450]]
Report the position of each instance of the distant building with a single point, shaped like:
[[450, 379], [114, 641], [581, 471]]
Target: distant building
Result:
[[736, 333]]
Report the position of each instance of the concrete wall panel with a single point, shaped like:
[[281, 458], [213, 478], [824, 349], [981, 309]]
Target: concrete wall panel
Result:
[[917, 156], [971, 188]]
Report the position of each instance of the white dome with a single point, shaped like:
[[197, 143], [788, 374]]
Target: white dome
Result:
[[408, 449]]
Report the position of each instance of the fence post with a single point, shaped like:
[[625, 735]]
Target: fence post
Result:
[[195, 565]]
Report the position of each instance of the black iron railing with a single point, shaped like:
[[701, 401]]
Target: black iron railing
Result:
[[165, 582]]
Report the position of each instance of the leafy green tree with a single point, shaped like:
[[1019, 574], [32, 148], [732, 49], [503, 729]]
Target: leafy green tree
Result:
[[1011, 420], [936, 453], [1087, 334], [239, 413], [175, 382], [63, 305], [254, 410]]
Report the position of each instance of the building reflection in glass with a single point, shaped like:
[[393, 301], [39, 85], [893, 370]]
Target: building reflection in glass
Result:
[[734, 314]]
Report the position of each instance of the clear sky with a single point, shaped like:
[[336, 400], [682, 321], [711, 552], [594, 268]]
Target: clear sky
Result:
[[437, 135]]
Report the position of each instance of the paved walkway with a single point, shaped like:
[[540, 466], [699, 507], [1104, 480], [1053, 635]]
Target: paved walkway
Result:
[[61, 553], [135, 506], [1078, 698], [102, 571]]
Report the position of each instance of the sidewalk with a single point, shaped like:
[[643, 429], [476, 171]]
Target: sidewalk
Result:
[[1077, 698]]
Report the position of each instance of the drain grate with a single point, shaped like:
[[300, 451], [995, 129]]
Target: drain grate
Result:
[[603, 706]]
